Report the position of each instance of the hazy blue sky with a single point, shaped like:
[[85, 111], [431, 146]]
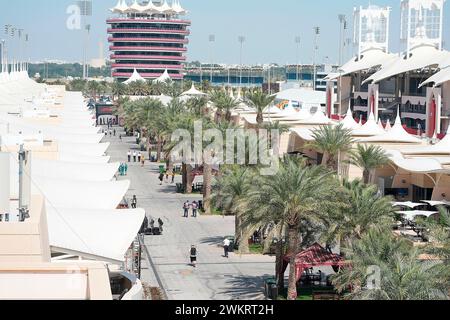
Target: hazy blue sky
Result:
[[269, 26]]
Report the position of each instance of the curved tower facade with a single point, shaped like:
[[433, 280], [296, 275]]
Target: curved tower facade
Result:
[[150, 37]]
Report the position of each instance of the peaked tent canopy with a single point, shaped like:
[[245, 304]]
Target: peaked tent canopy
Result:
[[440, 148], [370, 128], [349, 122], [193, 92], [163, 78], [134, 77], [314, 256]]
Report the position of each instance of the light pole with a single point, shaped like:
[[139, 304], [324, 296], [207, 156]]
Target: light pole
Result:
[[316, 36], [342, 27], [241, 41], [297, 41], [212, 39]]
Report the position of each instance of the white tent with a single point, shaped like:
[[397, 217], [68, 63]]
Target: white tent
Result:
[[134, 77], [71, 157], [419, 165], [163, 78], [440, 148], [84, 149], [193, 92], [410, 215], [370, 128], [303, 133], [101, 234], [396, 135], [349, 122], [408, 204], [81, 194]]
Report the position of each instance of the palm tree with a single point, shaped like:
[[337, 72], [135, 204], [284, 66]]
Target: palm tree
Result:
[[93, 87], [387, 267], [260, 101], [197, 106], [365, 210], [331, 141], [117, 89], [228, 190], [296, 193], [368, 158]]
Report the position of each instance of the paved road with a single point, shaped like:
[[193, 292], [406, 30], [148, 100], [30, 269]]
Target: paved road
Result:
[[217, 278]]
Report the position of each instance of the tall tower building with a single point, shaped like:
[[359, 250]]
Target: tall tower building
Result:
[[150, 37], [421, 23]]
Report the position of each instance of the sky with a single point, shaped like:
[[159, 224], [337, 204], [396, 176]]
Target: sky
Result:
[[270, 28]]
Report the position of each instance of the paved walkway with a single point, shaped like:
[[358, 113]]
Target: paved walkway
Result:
[[215, 278]]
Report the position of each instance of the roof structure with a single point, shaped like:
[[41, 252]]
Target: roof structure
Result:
[[349, 122], [135, 77], [193, 92], [410, 215], [303, 96], [396, 135], [370, 128], [314, 256], [163, 78], [421, 57], [440, 148], [417, 165]]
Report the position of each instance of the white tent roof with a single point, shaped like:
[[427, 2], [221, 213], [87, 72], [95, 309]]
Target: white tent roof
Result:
[[74, 171], [135, 8], [410, 215], [419, 165], [407, 204], [302, 115], [134, 77], [369, 59], [396, 135], [303, 133], [177, 8], [193, 92], [163, 78], [71, 157], [304, 96], [437, 203], [370, 128], [319, 118], [81, 194], [100, 233], [442, 147], [165, 7], [420, 57], [84, 149], [121, 7], [349, 122], [438, 78]]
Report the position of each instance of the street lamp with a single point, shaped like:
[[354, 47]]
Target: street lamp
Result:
[[316, 36], [241, 40], [297, 41], [212, 39]]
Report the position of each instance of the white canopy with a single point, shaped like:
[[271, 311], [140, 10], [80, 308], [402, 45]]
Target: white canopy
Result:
[[440, 148], [134, 77], [303, 96], [419, 165], [396, 135], [407, 204], [420, 57], [163, 78], [369, 59], [438, 78], [81, 194], [370, 128], [99, 233], [193, 92], [71, 157], [74, 171], [177, 8], [84, 149], [303, 133], [410, 215], [319, 118], [349, 122], [437, 203]]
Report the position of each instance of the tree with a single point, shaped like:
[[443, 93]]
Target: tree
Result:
[[93, 87], [365, 210], [117, 89], [387, 267], [331, 141], [260, 101], [197, 106], [296, 193], [368, 158]]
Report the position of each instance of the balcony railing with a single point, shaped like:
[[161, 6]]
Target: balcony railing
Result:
[[412, 108], [149, 20], [146, 75], [149, 48], [146, 57], [146, 66], [154, 40], [148, 30]]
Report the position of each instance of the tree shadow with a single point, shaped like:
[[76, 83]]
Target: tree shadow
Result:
[[245, 287], [212, 241]]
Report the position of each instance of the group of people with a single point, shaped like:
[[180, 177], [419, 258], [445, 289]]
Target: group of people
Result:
[[137, 157], [123, 169], [111, 132], [194, 206], [193, 252], [165, 173]]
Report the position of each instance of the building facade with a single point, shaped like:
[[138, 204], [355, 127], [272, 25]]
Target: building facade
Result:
[[150, 37]]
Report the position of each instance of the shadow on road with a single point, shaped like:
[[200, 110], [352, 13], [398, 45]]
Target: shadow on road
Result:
[[217, 241], [245, 287]]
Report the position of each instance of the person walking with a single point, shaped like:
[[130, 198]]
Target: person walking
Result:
[[186, 209], [167, 176], [114, 132], [193, 255], [134, 156], [142, 160], [226, 247], [161, 178], [194, 209], [160, 223], [126, 169], [173, 176], [129, 156], [134, 202], [139, 157]]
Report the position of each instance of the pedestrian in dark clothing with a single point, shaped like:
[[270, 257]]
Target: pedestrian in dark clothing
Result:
[[134, 156], [134, 202], [186, 209], [114, 132], [194, 209], [129, 156], [139, 157], [160, 223], [173, 176], [193, 255], [161, 178]]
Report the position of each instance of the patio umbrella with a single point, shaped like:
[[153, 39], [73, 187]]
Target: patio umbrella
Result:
[[408, 204]]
